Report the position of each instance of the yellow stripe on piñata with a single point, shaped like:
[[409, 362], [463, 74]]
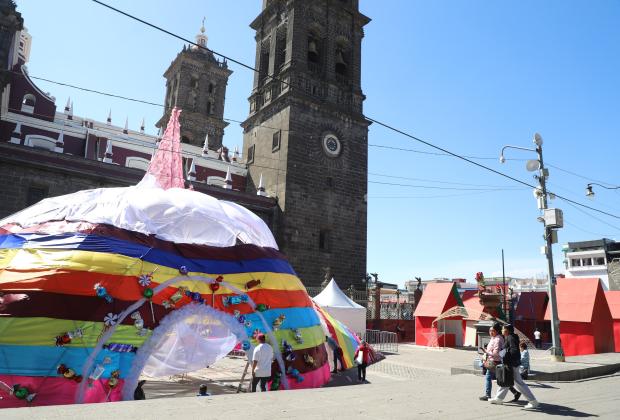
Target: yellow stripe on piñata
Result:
[[43, 332], [97, 262], [312, 337]]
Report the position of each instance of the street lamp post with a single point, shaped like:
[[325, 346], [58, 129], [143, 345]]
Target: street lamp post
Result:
[[556, 349]]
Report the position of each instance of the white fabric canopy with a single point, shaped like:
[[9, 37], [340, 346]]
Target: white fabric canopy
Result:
[[177, 215], [190, 345], [341, 307]]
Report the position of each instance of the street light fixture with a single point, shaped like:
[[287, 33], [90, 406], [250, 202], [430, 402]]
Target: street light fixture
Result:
[[541, 194], [590, 192]]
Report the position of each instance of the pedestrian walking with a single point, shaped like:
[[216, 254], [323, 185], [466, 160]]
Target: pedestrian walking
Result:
[[337, 353], [524, 368], [491, 359], [537, 338], [362, 358], [262, 357], [512, 358]]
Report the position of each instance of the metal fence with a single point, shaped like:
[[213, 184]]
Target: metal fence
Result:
[[393, 310], [383, 341], [387, 310]]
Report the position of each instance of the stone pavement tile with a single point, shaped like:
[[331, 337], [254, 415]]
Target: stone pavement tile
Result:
[[438, 396]]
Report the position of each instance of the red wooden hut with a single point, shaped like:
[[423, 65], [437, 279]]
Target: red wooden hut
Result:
[[613, 300], [471, 302], [437, 299], [530, 314], [586, 326]]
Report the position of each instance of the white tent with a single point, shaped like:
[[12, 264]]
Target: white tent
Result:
[[338, 305]]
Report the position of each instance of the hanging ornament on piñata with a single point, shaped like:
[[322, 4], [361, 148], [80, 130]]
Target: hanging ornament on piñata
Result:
[[103, 293], [23, 393], [139, 323], [67, 337], [68, 373], [251, 284], [297, 334], [277, 323], [261, 307], [110, 319], [145, 281]]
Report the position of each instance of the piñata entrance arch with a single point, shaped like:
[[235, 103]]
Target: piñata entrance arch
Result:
[[169, 323], [172, 350]]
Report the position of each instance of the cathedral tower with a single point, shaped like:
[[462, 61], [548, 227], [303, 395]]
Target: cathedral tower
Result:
[[196, 83], [307, 136]]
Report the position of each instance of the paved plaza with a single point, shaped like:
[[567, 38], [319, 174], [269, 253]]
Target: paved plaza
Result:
[[416, 382]]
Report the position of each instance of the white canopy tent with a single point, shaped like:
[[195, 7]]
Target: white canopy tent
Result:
[[341, 307]]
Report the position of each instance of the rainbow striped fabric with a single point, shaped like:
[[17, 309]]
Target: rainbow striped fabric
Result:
[[64, 283], [346, 339]]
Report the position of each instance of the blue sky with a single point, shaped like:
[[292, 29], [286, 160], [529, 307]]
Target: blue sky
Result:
[[469, 76]]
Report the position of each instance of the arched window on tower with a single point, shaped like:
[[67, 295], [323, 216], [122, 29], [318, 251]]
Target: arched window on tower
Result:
[[263, 69], [209, 108], [211, 88], [168, 95], [28, 103], [313, 49], [340, 62], [280, 48]]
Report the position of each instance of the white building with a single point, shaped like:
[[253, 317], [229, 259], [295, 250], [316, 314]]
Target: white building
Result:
[[599, 258]]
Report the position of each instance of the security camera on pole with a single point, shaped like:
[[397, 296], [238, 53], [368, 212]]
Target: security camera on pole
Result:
[[553, 220]]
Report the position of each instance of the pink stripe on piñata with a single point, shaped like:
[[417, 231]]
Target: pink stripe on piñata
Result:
[[55, 391], [313, 379]]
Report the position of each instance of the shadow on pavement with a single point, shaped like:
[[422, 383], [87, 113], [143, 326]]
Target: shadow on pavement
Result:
[[552, 409], [562, 410], [541, 385], [348, 377], [187, 388]]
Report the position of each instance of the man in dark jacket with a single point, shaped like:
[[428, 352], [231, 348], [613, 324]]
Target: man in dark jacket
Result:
[[512, 358]]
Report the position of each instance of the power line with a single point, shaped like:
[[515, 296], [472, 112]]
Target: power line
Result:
[[432, 196], [442, 182], [584, 230], [389, 127], [579, 176], [403, 149], [574, 194], [89, 90], [445, 152], [172, 34], [432, 187], [385, 125], [593, 216]]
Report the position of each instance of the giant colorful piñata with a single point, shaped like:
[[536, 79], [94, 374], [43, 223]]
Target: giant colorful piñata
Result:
[[102, 285]]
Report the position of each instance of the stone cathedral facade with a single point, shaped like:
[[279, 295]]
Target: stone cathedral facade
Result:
[[305, 136]]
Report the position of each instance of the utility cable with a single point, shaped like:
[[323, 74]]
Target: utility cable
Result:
[[592, 216], [385, 125], [446, 152], [434, 187]]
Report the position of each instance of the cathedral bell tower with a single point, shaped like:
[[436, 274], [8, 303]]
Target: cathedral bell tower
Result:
[[196, 83], [307, 136]]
